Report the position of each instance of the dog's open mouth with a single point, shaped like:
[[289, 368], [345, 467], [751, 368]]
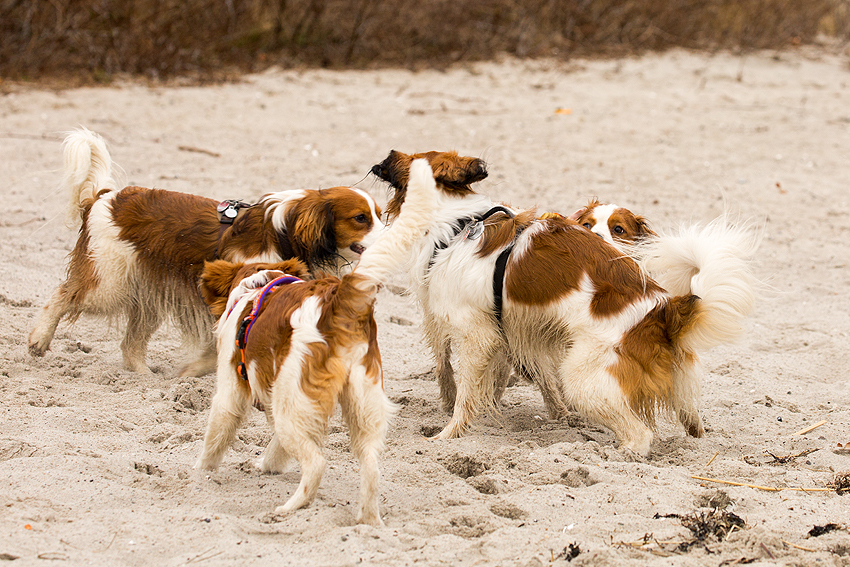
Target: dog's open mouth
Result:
[[357, 248]]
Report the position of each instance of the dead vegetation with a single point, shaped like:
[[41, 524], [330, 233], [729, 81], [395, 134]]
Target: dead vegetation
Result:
[[707, 526], [840, 483], [93, 40]]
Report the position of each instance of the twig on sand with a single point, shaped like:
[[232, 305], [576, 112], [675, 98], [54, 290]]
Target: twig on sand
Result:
[[108, 545], [794, 545], [790, 458], [809, 428], [200, 557], [646, 545], [198, 150], [711, 460], [767, 488]]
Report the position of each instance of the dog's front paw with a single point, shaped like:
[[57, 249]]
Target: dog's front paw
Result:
[[37, 349], [372, 518], [449, 432], [136, 365], [269, 464], [205, 464], [38, 345], [198, 368]]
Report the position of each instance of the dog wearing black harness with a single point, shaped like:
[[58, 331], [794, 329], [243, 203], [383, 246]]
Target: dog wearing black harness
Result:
[[582, 320], [140, 251]]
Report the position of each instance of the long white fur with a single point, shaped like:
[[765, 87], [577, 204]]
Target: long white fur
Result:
[[393, 247], [87, 169], [712, 262], [299, 428]]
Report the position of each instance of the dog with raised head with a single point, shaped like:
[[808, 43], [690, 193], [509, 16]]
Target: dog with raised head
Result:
[[297, 348], [140, 252], [582, 319], [615, 224]]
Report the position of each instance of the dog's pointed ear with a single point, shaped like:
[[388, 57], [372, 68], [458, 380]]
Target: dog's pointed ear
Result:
[[577, 215], [382, 170], [216, 283], [454, 171], [310, 224], [395, 169]]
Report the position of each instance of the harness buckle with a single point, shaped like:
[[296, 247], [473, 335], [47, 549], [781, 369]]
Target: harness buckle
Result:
[[228, 210], [473, 230]]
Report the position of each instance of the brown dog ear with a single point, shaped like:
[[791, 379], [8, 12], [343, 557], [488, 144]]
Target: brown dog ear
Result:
[[385, 169], [216, 283], [454, 171], [310, 224], [644, 230]]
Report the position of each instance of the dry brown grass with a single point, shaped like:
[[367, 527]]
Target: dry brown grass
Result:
[[92, 40]]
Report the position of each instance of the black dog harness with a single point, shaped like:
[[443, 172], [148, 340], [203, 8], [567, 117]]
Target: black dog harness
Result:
[[248, 322], [501, 261]]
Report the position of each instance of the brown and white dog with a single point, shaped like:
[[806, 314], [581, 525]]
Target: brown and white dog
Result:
[[304, 346], [140, 252], [585, 321], [616, 225]]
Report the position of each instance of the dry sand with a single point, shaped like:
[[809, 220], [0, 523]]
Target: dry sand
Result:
[[95, 461]]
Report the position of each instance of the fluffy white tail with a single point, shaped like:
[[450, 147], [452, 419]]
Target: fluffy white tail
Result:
[[713, 263], [87, 170], [386, 255]]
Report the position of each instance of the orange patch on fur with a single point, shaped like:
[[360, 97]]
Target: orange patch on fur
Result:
[[500, 230], [560, 256], [647, 356]]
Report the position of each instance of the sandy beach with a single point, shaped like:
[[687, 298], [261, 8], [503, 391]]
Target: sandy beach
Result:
[[96, 462]]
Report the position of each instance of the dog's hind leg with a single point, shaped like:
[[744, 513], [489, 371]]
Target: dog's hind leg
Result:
[[475, 386], [686, 395], [141, 325], [59, 305], [300, 429], [553, 397], [201, 366], [596, 393], [366, 410], [275, 458], [231, 402], [441, 346], [500, 369]]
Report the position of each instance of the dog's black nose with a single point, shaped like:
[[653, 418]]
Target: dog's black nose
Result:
[[378, 171]]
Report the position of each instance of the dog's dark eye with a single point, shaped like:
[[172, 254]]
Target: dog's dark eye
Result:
[[619, 229], [361, 218], [587, 226]]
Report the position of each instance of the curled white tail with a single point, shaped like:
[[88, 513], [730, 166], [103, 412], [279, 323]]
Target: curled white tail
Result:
[[384, 257], [713, 263], [87, 170]]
